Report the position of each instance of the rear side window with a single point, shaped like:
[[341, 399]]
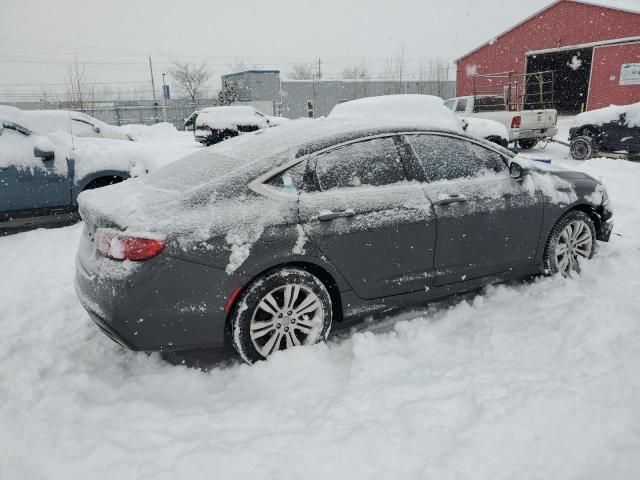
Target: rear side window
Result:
[[449, 104], [371, 162], [449, 158]]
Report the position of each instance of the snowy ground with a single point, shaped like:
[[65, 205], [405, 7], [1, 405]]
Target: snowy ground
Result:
[[526, 381]]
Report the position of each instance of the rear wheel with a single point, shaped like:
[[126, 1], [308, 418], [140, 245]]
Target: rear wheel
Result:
[[283, 309], [527, 143], [572, 240], [581, 148]]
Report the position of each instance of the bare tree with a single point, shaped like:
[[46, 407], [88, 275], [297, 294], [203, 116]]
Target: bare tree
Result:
[[356, 71], [239, 64], [302, 71], [191, 78], [399, 67], [80, 90]]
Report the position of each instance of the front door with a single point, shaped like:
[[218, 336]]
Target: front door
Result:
[[376, 227], [28, 183], [487, 222]]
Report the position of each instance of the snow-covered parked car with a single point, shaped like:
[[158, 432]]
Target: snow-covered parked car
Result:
[[611, 129], [215, 124], [269, 241], [490, 130], [42, 175], [74, 123], [419, 109]]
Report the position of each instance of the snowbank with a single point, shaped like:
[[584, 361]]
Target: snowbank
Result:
[[610, 114], [427, 110]]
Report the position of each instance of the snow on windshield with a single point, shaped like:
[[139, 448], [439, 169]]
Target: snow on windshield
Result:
[[610, 114]]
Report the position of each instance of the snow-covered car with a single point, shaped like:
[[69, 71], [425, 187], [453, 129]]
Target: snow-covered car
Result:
[[266, 242], [525, 126], [215, 124], [42, 175], [419, 109], [611, 129], [490, 130], [74, 123]]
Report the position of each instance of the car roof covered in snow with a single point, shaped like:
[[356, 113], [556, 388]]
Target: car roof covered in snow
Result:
[[610, 114], [424, 110]]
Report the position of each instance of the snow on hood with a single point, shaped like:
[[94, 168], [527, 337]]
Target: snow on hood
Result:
[[610, 114], [426, 110], [483, 128]]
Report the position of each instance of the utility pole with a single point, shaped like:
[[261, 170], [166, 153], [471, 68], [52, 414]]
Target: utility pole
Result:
[[153, 90], [153, 85], [164, 99]]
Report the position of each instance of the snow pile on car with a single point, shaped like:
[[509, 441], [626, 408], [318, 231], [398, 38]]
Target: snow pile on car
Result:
[[427, 111], [610, 114], [484, 128]]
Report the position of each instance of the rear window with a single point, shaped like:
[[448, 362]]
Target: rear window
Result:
[[489, 104]]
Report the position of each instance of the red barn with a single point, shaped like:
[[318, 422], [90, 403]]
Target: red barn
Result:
[[592, 49]]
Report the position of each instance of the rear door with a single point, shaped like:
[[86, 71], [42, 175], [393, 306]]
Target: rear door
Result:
[[487, 222], [372, 222]]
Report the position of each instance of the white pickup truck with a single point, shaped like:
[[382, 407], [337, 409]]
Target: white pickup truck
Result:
[[525, 126]]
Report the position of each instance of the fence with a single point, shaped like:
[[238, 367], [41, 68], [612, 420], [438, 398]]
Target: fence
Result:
[[126, 112]]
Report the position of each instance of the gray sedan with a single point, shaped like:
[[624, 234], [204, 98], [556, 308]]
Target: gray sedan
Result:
[[266, 241]]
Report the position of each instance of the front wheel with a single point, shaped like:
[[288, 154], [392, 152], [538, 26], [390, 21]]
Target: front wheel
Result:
[[283, 309], [572, 240]]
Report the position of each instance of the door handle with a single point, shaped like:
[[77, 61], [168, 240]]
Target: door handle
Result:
[[327, 215], [451, 199]]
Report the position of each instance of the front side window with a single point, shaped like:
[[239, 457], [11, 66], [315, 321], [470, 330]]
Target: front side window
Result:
[[450, 158], [371, 162], [449, 104]]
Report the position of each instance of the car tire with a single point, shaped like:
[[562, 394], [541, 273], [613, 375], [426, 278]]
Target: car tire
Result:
[[284, 308], [581, 148], [528, 143], [572, 239]]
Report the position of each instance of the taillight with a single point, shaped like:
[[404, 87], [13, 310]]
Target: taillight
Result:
[[515, 121], [120, 246]]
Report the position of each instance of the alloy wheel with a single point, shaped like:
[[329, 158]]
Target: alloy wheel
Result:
[[574, 243], [289, 315]]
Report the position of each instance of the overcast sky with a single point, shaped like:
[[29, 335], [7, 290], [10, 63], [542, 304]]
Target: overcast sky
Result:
[[39, 38]]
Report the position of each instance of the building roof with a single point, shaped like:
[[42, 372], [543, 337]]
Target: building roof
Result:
[[251, 71], [629, 6]]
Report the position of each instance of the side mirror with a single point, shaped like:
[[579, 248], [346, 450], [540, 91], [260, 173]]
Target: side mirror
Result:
[[45, 155], [517, 171], [96, 129]]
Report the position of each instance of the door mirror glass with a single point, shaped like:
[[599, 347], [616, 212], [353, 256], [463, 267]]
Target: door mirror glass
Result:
[[44, 154]]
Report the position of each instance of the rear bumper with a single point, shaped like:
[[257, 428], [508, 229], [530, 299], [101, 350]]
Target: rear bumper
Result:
[[540, 133], [160, 305]]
